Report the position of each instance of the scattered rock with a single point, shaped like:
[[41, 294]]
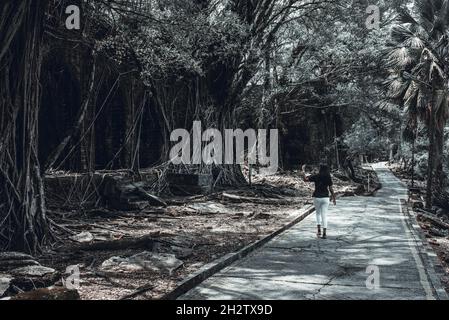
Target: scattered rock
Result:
[[23, 274], [31, 277], [163, 262], [243, 214], [33, 271], [83, 237], [120, 264], [5, 281], [145, 260], [208, 208]]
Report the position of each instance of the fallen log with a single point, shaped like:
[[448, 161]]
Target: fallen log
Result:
[[435, 220], [148, 242], [236, 198], [12, 255], [118, 213]]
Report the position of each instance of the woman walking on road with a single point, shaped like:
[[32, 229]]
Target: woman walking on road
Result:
[[323, 185]]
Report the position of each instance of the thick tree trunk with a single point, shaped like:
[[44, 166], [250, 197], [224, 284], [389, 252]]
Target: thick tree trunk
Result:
[[431, 158], [439, 184], [415, 132], [439, 146], [337, 155], [23, 223]]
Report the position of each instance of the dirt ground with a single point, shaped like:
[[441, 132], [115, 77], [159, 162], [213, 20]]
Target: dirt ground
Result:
[[196, 229]]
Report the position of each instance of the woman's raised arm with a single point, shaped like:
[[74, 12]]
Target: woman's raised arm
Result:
[[304, 175]]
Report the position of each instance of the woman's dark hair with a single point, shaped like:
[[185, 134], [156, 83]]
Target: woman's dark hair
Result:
[[324, 170]]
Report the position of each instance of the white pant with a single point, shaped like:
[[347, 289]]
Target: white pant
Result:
[[321, 206]]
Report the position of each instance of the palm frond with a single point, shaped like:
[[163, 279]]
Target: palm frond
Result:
[[404, 16], [388, 106], [415, 42], [399, 57], [400, 34], [417, 54], [396, 88]]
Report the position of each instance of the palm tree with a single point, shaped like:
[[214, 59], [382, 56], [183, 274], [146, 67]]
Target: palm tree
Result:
[[417, 60]]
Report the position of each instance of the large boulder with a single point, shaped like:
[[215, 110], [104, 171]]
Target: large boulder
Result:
[[21, 272], [11, 260], [83, 237], [33, 271], [32, 277]]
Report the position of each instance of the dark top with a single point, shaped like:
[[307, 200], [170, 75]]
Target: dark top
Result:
[[321, 185]]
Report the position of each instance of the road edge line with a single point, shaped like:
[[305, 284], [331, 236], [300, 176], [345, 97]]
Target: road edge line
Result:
[[425, 251]]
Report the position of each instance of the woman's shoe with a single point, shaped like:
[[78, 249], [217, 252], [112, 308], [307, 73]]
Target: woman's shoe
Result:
[[318, 233], [324, 234]]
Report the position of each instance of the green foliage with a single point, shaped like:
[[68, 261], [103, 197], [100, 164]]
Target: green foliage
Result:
[[177, 39], [363, 138]]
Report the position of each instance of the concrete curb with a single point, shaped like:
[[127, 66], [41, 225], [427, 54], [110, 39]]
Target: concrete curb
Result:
[[434, 269], [215, 266]]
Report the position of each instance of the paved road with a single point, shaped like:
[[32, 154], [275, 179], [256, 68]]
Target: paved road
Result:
[[364, 232]]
